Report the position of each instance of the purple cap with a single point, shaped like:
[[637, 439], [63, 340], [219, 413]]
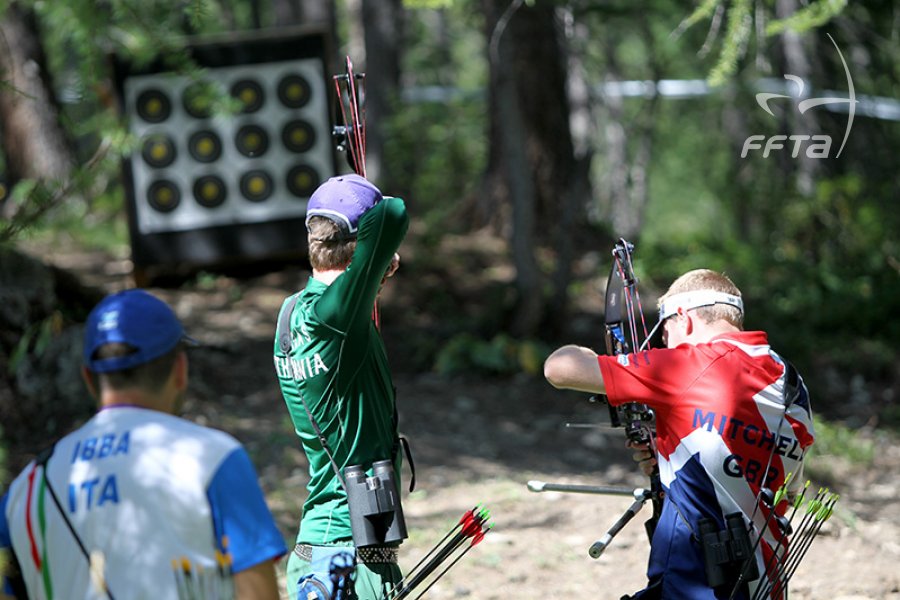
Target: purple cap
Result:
[[132, 317], [343, 199]]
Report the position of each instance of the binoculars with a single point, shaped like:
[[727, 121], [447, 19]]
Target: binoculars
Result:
[[376, 516], [727, 553]]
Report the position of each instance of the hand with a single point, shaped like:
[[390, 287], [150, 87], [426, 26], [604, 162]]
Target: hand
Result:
[[392, 268], [395, 264], [643, 456]]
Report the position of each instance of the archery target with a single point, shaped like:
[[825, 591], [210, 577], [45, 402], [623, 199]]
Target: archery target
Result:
[[198, 166]]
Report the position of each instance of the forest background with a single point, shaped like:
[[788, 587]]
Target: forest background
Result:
[[526, 137]]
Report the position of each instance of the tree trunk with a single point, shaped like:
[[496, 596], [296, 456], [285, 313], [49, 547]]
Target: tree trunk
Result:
[[745, 220], [313, 11], [531, 156], [289, 12], [628, 154], [578, 193], [797, 63], [33, 141], [522, 192], [383, 24]]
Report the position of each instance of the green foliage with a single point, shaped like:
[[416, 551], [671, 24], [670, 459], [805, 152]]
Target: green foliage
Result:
[[686, 200], [441, 153], [98, 225], [831, 249], [837, 440], [734, 44], [501, 355], [198, 13], [704, 10], [808, 17], [428, 4], [34, 340], [439, 145], [740, 16], [818, 263], [45, 208]]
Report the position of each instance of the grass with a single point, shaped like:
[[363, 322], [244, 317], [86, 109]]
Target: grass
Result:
[[839, 450], [838, 440]]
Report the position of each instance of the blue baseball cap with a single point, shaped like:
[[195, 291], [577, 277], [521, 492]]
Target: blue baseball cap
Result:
[[343, 199], [136, 318]]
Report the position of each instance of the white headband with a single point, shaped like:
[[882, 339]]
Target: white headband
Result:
[[689, 300]]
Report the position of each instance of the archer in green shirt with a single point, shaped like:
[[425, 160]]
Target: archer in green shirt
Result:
[[334, 375]]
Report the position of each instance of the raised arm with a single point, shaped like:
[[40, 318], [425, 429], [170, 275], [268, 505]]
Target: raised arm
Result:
[[381, 230]]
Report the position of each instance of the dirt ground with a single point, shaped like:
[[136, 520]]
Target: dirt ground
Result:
[[480, 440]]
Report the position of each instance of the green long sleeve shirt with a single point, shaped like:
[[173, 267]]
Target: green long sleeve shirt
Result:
[[338, 363]]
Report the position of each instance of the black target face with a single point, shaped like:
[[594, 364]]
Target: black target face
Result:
[[153, 106], [257, 185], [210, 191], [298, 136], [158, 151], [163, 196], [302, 181], [252, 141], [294, 91], [250, 94], [205, 146]]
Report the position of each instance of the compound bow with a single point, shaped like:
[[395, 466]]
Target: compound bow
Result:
[[623, 306]]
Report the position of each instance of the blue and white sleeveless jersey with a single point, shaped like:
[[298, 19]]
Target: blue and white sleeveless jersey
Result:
[[156, 501]]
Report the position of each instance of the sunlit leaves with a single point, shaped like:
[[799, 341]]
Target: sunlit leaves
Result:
[[737, 34], [741, 16], [808, 17]]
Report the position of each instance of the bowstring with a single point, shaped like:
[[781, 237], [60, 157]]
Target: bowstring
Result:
[[359, 131]]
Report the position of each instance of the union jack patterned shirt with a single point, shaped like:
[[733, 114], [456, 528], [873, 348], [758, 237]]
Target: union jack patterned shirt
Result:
[[720, 421]]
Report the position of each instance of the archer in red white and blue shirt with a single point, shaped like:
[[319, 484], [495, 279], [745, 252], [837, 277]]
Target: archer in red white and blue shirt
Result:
[[722, 431]]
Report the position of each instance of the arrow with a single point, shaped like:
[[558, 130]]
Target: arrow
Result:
[[470, 526], [475, 541]]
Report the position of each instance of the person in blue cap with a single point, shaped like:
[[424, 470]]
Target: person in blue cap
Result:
[[138, 502], [334, 375]]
